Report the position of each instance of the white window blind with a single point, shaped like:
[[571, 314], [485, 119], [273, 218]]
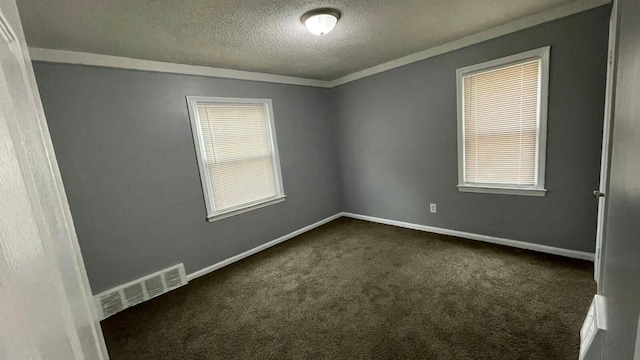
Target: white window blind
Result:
[[238, 154], [501, 119], [500, 125]]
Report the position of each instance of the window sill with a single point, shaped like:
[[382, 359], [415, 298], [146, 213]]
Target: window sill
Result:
[[502, 190], [224, 215]]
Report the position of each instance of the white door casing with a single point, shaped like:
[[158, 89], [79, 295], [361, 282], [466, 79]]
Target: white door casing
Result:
[[606, 146], [46, 310]]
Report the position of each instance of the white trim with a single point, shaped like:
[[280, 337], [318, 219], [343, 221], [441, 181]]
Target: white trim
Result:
[[490, 239], [637, 351], [538, 189], [593, 330], [502, 190], [6, 31], [605, 166], [82, 310], [82, 58], [257, 249], [242, 210], [205, 178], [508, 28]]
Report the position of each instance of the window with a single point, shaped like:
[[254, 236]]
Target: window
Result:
[[237, 154], [502, 116]]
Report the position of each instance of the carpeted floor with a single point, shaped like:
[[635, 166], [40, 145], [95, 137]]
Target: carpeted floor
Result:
[[358, 290]]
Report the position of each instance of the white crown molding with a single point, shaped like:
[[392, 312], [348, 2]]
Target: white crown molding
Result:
[[82, 58], [517, 25], [471, 236]]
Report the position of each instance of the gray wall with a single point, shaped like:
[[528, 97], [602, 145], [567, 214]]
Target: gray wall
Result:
[[398, 140], [124, 144], [621, 283]]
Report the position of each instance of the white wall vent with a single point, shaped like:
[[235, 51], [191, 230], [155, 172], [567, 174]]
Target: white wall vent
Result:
[[173, 278], [137, 291], [154, 286]]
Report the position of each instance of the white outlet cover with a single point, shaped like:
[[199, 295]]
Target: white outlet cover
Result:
[[432, 208]]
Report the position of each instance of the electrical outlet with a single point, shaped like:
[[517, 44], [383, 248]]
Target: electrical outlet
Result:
[[432, 208]]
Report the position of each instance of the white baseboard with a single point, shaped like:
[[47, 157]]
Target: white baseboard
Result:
[[490, 239], [257, 249]]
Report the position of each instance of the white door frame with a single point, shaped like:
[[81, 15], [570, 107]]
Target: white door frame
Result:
[[606, 146], [47, 311]]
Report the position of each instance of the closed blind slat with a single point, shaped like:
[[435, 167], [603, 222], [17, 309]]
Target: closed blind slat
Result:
[[500, 125], [237, 146]]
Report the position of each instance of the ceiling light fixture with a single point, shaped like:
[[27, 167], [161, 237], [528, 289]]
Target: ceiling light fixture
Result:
[[320, 21]]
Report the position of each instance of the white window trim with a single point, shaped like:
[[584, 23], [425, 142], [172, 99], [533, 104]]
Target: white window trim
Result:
[[538, 189], [205, 178]]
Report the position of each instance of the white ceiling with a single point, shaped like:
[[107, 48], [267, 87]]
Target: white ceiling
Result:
[[264, 36]]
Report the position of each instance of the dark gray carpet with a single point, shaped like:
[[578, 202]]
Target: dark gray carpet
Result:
[[358, 290]]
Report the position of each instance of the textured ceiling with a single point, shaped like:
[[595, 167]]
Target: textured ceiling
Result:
[[263, 36]]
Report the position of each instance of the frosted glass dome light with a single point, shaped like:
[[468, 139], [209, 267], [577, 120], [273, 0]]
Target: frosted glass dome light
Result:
[[320, 21]]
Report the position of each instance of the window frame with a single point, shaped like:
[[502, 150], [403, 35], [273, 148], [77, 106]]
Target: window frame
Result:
[[538, 189], [205, 178]]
